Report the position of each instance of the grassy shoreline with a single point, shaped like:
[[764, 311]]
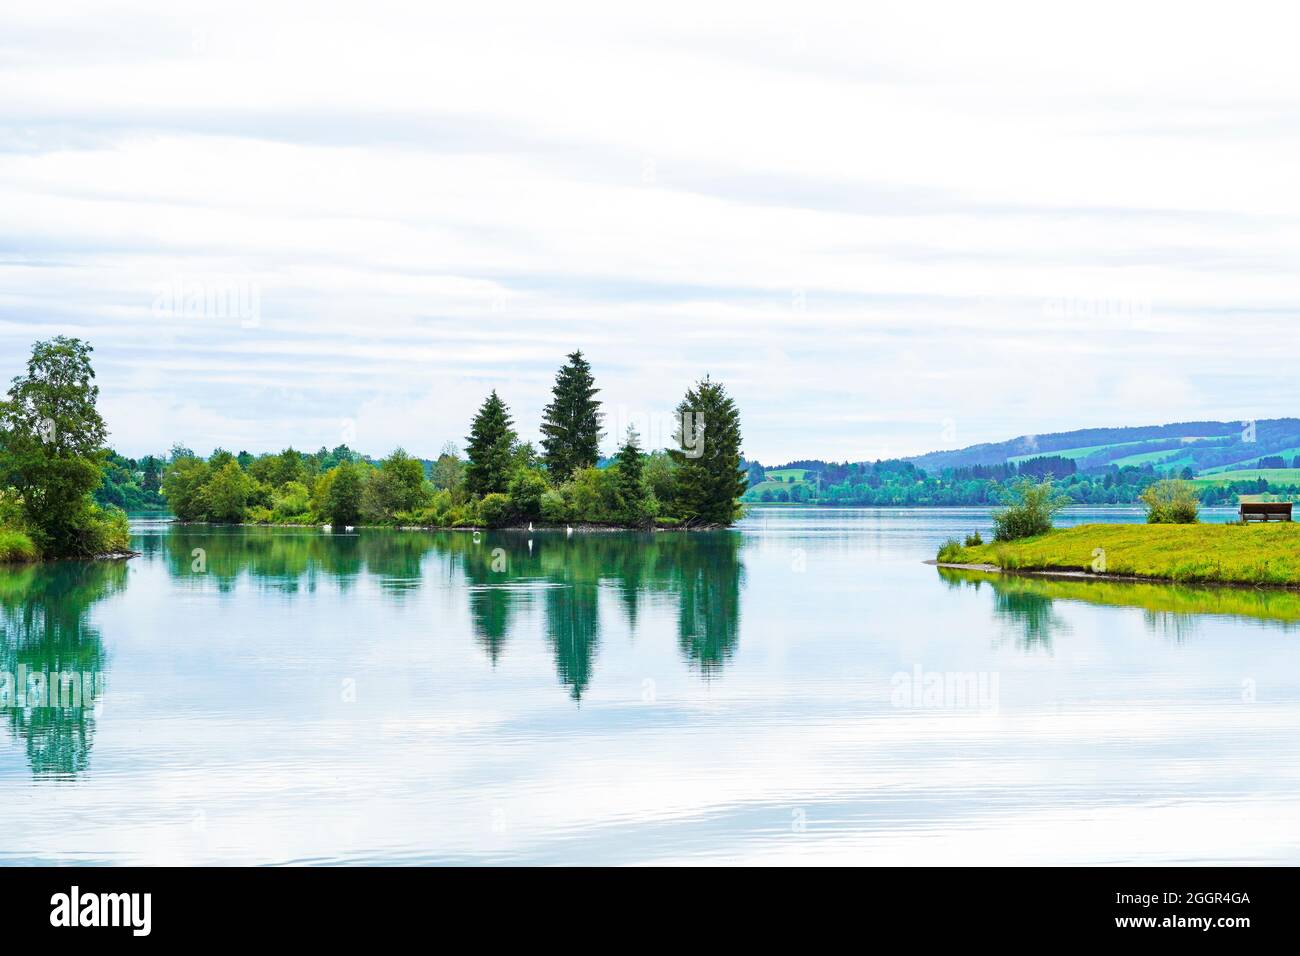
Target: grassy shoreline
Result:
[[1259, 554]]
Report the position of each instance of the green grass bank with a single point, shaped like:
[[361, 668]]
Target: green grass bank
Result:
[[1200, 553]]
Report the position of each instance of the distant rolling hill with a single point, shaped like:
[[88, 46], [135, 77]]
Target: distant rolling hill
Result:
[[1207, 447]]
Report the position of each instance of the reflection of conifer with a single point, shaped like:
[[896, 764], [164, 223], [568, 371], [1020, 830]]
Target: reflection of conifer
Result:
[[708, 576]]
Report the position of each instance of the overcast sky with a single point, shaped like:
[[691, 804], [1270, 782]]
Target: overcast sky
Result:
[[886, 228]]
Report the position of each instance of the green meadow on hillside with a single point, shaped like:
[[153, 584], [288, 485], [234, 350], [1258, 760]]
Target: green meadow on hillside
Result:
[[1281, 476]]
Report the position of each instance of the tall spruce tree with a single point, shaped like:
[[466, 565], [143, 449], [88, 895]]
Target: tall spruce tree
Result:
[[631, 462], [489, 448], [709, 480], [571, 422]]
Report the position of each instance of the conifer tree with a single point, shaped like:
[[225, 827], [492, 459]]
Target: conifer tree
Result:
[[571, 422], [631, 461], [489, 446], [709, 481]]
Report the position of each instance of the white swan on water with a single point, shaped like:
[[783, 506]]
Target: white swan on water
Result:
[[568, 530]]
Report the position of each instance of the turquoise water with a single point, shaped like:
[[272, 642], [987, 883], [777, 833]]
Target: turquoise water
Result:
[[802, 689]]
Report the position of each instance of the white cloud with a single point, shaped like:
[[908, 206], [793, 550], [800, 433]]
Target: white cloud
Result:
[[863, 219]]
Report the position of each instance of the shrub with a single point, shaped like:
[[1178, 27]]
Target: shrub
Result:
[[16, 546], [1029, 512], [259, 515], [973, 540], [99, 531], [666, 521], [592, 494], [1171, 501], [290, 500], [494, 510], [643, 513], [526, 491], [950, 550], [553, 508]]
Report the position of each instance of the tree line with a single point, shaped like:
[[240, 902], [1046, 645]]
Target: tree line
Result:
[[501, 480]]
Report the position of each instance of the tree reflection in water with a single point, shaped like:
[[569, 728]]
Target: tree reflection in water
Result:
[[45, 630], [505, 574]]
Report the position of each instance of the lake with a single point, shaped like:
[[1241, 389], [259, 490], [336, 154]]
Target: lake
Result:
[[802, 689]]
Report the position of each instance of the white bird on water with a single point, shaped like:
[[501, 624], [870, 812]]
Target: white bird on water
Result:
[[568, 530], [530, 527]]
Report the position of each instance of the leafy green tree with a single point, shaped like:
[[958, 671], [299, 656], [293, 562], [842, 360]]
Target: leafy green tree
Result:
[[219, 459], [494, 509], [709, 481], [659, 472], [398, 485], [571, 422], [343, 497], [526, 490], [490, 447], [592, 494], [53, 446], [224, 496], [448, 471], [291, 500], [286, 467], [1029, 510], [182, 481]]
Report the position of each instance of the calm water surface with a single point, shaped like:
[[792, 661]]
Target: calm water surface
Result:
[[802, 689]]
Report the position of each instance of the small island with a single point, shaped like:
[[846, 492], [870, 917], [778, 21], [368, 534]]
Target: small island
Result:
[[62, 490]]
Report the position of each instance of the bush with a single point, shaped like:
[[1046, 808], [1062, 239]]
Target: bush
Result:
[[973, 540], [1171, 502], [553, 508], [526, 491], [16, 546], [494, 510], [291, 500], [592, 494], [950, 550], [666, 521], [643, 513], [1029, 512], [100, 531]]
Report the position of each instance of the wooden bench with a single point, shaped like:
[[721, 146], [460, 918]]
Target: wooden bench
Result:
[[1265, 511]]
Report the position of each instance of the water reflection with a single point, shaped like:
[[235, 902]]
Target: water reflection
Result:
[[1171, 610], [505, 574], [53, 660]]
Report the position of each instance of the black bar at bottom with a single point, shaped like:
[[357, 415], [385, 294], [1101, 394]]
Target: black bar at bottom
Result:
[[331, 906]]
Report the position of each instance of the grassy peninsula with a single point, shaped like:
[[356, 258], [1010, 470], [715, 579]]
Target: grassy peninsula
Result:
[[1185, 553], [1171, 546]]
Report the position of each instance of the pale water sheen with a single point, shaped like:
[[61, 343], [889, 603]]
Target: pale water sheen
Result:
[[282, 696]]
